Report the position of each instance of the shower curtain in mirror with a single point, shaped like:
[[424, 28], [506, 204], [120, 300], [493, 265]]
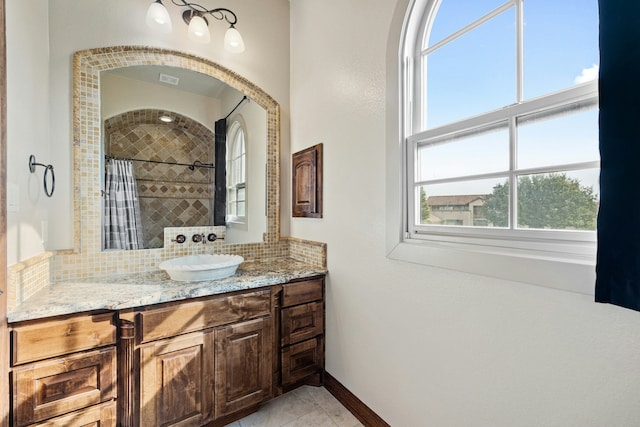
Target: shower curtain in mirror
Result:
[[122, 225]]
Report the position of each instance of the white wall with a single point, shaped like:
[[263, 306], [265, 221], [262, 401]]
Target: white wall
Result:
[[120, 94], [76, 25], [27, 132], [425, 346]]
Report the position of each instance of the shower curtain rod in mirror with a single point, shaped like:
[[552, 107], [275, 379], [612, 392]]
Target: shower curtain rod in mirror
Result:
[[191, 166], [244, 98]]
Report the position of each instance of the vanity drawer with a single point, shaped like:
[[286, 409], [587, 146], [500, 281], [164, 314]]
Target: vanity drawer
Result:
[[50, 338], [301, 322], [301, 360], [300, 292], [43, 390], [97, 416], [198, 315]]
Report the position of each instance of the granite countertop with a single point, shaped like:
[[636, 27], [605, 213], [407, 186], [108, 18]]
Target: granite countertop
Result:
[[139, 289]]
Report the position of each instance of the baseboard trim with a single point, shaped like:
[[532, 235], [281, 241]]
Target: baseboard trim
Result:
[[349, 400]]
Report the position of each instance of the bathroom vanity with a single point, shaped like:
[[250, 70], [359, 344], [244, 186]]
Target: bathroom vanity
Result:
[[155, 352], [137, 349]]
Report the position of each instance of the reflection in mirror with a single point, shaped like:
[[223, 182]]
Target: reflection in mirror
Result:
[[158, 156], [263, 192]]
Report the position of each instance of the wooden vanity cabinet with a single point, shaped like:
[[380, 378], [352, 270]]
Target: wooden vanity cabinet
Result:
[[302, 332], [205, 361], [63, 371], [200, 361]]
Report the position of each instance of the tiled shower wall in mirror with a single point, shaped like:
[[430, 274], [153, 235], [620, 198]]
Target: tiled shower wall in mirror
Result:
[[170, 195]]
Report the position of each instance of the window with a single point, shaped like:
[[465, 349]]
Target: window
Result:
[[236, 174], [501, 125]]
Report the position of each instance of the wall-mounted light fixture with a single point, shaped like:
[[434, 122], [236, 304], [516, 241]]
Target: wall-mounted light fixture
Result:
[[195, 17]]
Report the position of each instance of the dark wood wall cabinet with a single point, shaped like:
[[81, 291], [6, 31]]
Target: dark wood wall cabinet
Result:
[[205, 361], [307, 182]]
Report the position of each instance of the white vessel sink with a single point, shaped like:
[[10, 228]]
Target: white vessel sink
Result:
[[195, 268]]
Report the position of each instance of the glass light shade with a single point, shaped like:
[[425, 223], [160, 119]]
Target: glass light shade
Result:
[[198, 30], [158, 17], [233, 41]]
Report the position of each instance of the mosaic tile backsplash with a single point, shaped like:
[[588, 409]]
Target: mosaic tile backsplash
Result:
[[26, 278]]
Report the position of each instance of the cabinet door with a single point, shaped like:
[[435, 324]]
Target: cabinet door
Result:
[[243, 365], [176, 381], [307, 182]]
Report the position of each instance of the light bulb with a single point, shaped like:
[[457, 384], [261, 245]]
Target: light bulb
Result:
[[198, 30], [158, 17], [233, 41]]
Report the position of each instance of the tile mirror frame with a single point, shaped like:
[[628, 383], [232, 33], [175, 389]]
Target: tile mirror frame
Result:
[[87, 129]]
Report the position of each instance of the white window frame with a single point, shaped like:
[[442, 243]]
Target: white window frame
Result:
[[232, 134], [559, 259]]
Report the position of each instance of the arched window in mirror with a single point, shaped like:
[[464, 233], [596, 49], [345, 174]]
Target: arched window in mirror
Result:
[[236, 173]]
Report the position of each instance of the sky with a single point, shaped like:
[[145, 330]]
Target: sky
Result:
[[476, 73]]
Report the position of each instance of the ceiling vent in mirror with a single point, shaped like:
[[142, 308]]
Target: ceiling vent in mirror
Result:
[[170, 80]]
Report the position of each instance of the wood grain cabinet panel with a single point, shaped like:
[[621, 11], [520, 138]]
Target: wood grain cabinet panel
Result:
[[300, 292], [198, 315], [212, 375], [302, 333], [103, 415], [50, 338], [46, 389], [243, 365], [302, 360], [176, 375], [301, 322], [307, 182]]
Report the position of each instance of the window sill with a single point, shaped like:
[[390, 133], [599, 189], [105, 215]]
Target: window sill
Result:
[[237, 223], [574, 274]]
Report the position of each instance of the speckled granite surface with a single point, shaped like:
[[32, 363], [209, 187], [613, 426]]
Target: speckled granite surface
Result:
[[133, 290]]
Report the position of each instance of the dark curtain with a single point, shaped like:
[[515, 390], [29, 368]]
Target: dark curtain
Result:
[[220, 197], [618, 260]]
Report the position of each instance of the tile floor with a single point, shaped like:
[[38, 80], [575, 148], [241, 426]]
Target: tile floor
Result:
[[303, 407]]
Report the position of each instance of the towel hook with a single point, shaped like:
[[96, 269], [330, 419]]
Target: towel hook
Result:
[[47, 168]]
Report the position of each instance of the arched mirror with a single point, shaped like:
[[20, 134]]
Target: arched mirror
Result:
[[155, 110]]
